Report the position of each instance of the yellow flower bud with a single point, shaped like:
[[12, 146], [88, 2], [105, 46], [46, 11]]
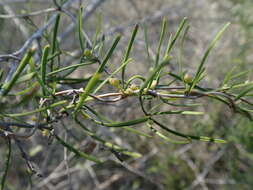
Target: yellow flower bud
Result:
[[45, 133], [187, 78], [129, 91], [33, 49], [153, 84], [151, 69], [145, 90], [33, 118], [134, 87], [23, 11], [114, 82]]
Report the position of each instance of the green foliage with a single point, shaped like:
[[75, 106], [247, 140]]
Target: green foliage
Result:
[[158, 94]]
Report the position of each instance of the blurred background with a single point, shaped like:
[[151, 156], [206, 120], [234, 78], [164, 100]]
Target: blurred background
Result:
[[198, 165]]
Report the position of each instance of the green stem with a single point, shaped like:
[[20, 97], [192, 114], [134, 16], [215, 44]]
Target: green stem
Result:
[[7, 86]]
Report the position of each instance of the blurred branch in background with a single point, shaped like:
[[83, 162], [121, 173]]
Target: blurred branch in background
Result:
[[36, 35], [17, 22], [35, 13]]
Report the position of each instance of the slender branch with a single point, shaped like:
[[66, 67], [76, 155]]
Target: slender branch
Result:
[[35, 35], [35, 13]]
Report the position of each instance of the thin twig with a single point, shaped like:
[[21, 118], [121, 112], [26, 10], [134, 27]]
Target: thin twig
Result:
[[207, 169]]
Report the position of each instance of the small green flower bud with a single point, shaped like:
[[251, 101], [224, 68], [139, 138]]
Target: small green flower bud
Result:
[[87, 53]]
